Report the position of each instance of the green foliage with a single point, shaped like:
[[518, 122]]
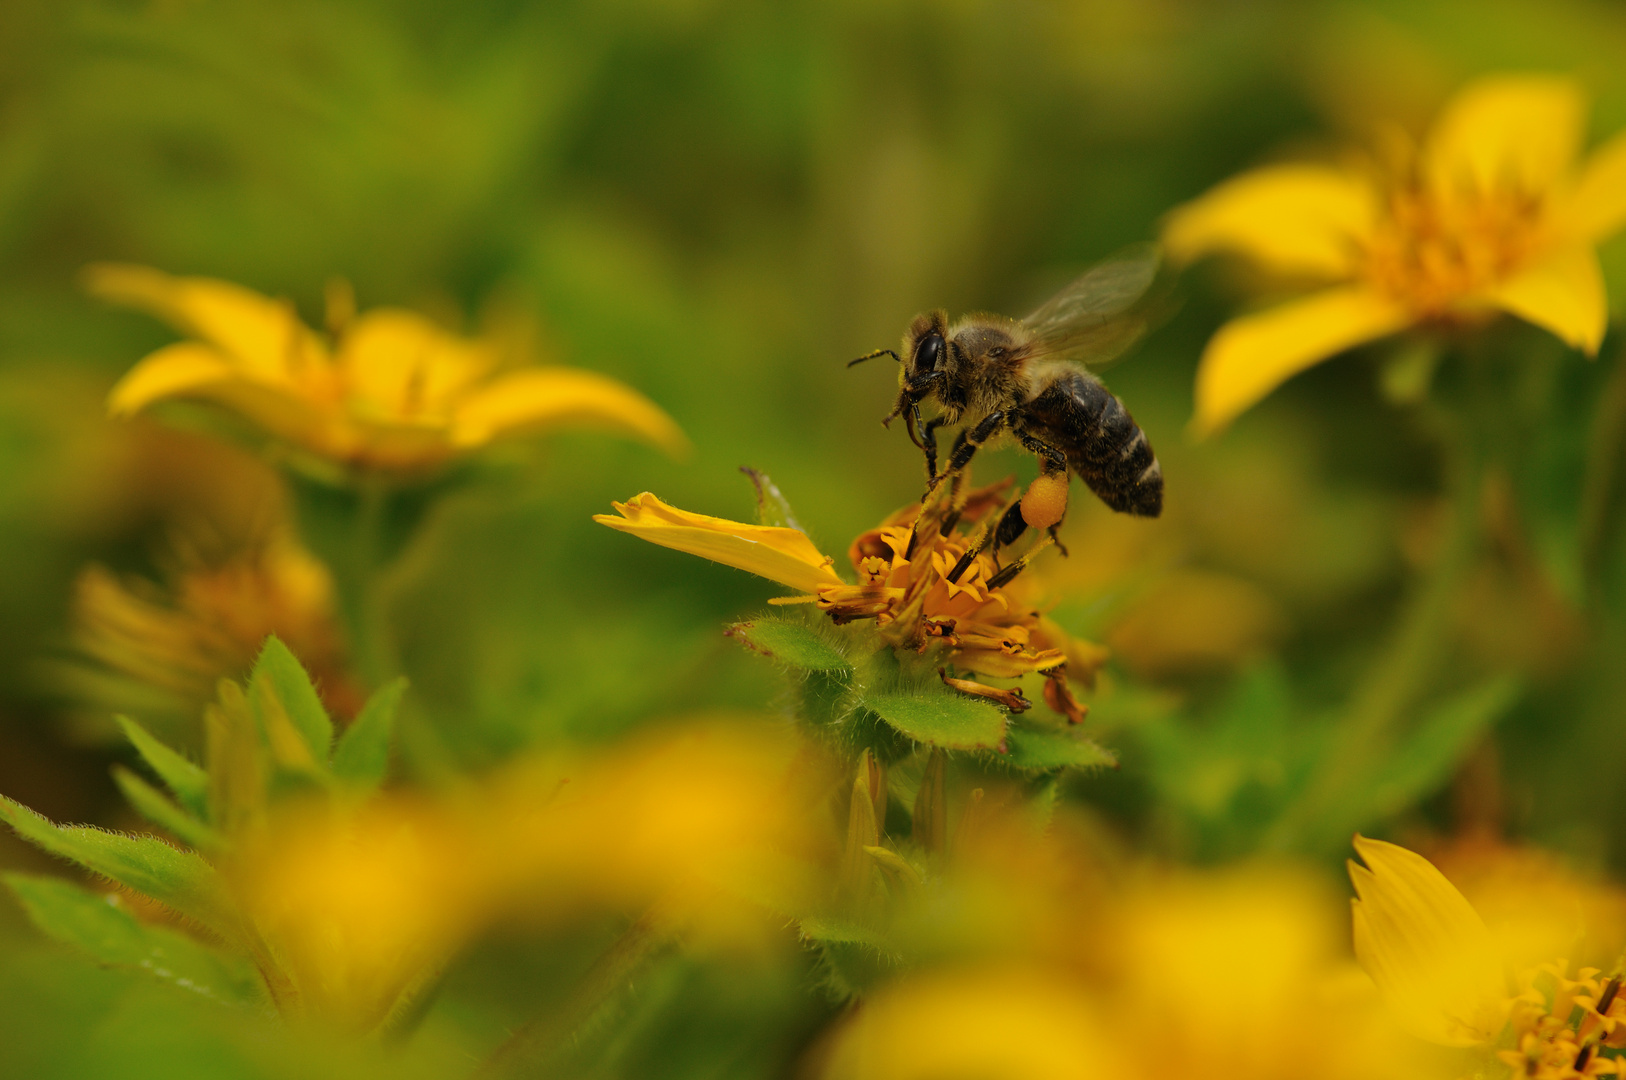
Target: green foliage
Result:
[[178, 879], [162, 811], [1038, 747], [790, 642], [282, 694], [186, 780], [362, 755], [99, 926], [940, 718]]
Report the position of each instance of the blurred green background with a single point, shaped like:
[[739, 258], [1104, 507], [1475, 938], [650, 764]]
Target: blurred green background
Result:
[[720, 203]]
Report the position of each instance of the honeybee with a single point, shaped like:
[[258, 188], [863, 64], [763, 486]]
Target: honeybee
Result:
[[1026, 380]]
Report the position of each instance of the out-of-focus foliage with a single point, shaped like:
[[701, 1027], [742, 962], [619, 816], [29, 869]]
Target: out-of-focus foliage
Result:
[[1390, 597]]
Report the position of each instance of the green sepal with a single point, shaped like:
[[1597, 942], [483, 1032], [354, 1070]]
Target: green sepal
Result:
[[854, 958], [1042, 748], [362, 755], [280, 689], [178, 879], [773, 509], [99, 926], [793, 643], [940, 717], [187, 780], [163, 811]]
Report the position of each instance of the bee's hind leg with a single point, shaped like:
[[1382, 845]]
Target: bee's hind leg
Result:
[[1044, 504]]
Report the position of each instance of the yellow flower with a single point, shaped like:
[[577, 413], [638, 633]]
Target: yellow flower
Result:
[[1490, 214], [209, 618], [1153, 975], [1442, 974], [392, 392], [907, 583]]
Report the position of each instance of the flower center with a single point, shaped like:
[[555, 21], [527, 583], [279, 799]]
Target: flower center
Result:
[[1433, 250], [1561, 1028]]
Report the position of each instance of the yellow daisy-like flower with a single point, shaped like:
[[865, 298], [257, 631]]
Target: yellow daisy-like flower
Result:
[[1438, 967], [911, 581], [391, 391], [1491, 214]]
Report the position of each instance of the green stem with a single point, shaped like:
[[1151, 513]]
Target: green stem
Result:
[[370, 624], [544, 1036], [1417, 650], [1604, 451]]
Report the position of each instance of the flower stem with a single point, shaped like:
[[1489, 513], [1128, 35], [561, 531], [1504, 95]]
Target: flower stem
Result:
[[1599, 481], [544, 1036], [1417, 650]]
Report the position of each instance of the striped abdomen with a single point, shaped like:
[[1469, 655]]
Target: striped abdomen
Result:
[[1103, 444]]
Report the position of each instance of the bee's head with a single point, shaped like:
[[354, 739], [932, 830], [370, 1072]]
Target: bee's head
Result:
[[926, 348], [925, 355]]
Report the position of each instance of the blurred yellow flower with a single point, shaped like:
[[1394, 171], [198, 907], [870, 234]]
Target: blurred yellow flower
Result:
[[1490, 214], [1442, 974], [1157, 975], [907, 583], [391, 392], [209, 618]]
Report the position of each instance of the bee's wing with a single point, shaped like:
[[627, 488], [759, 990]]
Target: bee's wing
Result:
[[1097, 316]]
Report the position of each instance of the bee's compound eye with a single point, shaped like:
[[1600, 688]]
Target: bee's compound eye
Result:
[[928, 352]]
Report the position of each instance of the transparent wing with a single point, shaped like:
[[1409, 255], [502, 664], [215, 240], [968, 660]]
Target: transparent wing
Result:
[[1098, 315]]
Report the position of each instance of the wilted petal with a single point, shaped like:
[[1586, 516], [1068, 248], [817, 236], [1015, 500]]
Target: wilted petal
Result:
[[1251, 356], [1598, 205], [1564, 293], [261, 336], [1509, 132], [778, 554], [1305, 219], [563, 397], [1426, 948]]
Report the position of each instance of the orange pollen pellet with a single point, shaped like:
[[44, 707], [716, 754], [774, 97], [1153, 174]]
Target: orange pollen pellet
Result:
[[1045, 503]]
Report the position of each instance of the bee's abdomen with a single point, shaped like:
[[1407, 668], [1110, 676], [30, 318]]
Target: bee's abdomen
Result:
[[1102, 442]]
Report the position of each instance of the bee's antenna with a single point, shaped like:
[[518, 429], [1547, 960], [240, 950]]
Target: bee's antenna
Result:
[[873, 355]]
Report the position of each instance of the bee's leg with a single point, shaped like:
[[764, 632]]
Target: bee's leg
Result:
[[967, 445], [1045, 504], [928, 438]]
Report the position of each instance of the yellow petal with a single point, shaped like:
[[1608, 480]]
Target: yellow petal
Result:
[[1425, 947], [399, 365], [1564, 293], [1305, 219], [1014, 1025], [563, 397], [177, 370], [1251, 356], [1598, 204], [190, 370], [263, 336], [1508, 132], [783, 555]]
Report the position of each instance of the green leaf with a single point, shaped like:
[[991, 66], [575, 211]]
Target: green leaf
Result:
[[101, 927], [1427, 759], [187, 780], [162, 811], [941, 718], [182, 880], [793, 643], [363, 753], [1048, 748], [279, 682]]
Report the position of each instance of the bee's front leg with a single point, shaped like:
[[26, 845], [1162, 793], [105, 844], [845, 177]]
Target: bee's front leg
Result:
[[928, 439], [966, 446]]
